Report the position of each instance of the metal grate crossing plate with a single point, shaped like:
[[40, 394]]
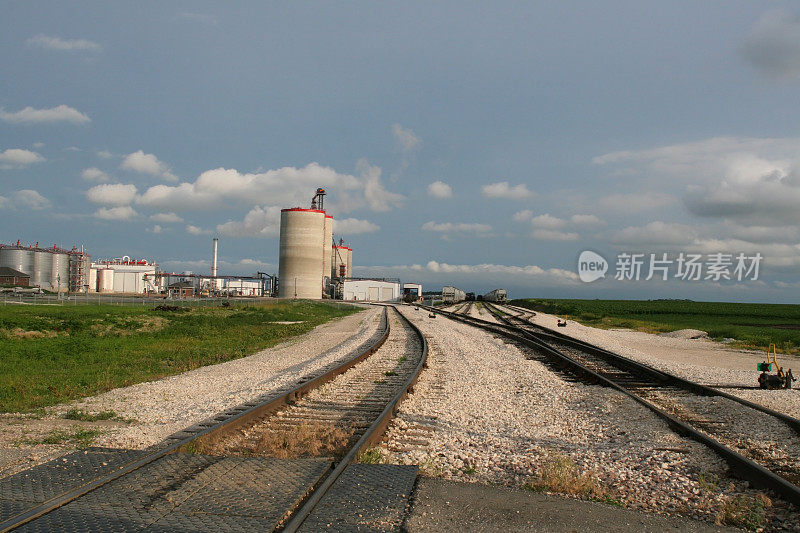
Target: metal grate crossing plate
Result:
[[187, 492], [365, 498], [25, 489]]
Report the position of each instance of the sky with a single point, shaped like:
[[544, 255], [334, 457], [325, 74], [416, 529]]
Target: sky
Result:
[[480, 145]]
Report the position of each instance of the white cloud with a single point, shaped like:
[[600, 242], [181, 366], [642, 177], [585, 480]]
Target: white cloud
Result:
[[654, 234], [30, 199], [123, 212], [259, 222], [147, 164], [404, 138], [634, 202], [457, 227], [502, 189], [104, 154], [439, 189], [353, 226], [749, 179], [18, 158], [553, 235], [157, 229], [284, 187], [773, 45], [94, 174], [69, 45], [490, 271], [29, 115], [194, 230], [167, 218], [522, 216], [548, 221], [585, 220], [116, 194], [4, 202], [377, 197]]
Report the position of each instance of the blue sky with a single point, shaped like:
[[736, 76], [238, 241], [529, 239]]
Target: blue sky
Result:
[[477, 144]]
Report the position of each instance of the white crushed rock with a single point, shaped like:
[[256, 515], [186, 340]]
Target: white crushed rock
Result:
[[161, 408], [482, 412], [701, 360]]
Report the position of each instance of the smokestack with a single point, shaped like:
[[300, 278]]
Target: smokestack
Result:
[[214, 259]]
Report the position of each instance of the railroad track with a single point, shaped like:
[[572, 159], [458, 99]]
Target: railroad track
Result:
[[332, 417], [721, 421]]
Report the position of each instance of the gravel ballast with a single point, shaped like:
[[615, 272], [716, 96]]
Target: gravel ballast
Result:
[[482, 412]]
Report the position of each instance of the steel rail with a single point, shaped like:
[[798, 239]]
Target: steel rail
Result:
[[617, 359], [373, 434], [222, 426], [745, 468]]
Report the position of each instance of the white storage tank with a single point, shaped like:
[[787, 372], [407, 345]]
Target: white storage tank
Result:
[[20, 259], [42, 268], [327, 247], [92, 280], [300, 258], [59, 273], [105, 280]]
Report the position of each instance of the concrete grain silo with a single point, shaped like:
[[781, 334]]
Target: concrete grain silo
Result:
[[349, 262], [42, 269], [300, 268], [327, 248]]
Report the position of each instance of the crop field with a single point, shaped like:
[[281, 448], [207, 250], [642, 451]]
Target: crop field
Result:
[[752, 325], [52, 354]]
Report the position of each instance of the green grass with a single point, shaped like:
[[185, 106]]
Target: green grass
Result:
[[77, 414], [80, 437], [752, 325], [53, 354]]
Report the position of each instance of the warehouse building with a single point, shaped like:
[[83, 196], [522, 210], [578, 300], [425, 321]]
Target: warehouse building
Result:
[[371, 290]]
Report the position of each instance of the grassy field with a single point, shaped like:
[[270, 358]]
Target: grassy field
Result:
[[752, 325], [51, 354]]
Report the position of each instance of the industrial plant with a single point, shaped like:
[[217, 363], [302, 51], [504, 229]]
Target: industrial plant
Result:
[[312, 265]]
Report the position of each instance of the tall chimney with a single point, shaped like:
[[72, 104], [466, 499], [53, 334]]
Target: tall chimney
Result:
[[214, 259]]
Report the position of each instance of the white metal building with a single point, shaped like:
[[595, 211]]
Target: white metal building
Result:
[[123, 275], [367, 290]]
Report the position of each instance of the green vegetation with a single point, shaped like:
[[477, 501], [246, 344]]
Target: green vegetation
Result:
[[752, 325], [745, 512], [560, 474], [77, 414], [371, 456], [390, 373], [53, 354], [78, 436]]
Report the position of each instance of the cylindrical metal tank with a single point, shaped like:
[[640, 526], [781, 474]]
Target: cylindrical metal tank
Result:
[[300, 257], [92, 280], [20, 259], [59, 273], [105, 280], [42, 268], [327, 247]]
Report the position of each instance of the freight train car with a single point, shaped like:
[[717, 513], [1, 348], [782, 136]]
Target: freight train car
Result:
[[497, 295], [452, 295]]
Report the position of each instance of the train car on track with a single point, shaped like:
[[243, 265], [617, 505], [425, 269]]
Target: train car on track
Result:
[[452, 295], [497, 295]]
